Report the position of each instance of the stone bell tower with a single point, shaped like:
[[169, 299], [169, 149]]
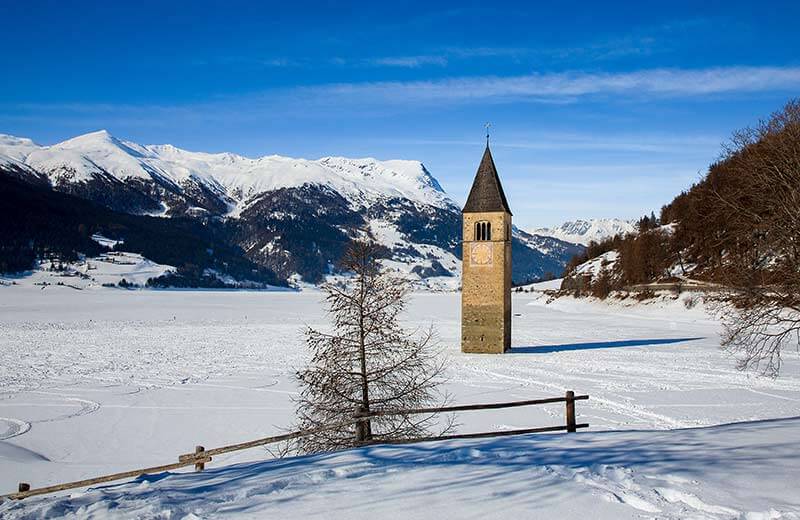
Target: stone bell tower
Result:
[[486, 266]]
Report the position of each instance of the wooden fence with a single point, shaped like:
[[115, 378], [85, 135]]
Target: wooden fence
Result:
[[200, 456]]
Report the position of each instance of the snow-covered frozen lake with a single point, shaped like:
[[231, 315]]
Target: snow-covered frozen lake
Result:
[[105, 380]]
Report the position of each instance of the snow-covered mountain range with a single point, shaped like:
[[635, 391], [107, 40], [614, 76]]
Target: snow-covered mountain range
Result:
[[584, 231], [292, 216], [222, 183]]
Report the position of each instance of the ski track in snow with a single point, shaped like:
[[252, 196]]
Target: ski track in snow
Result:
[[86, 407], [13, 428], [17, 427]]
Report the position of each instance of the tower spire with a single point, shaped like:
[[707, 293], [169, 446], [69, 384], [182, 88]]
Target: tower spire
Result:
[[487, 192]]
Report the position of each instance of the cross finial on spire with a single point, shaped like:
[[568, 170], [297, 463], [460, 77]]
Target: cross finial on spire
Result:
[[487, 125]]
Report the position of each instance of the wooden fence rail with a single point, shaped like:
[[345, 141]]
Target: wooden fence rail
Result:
[[201, 456]]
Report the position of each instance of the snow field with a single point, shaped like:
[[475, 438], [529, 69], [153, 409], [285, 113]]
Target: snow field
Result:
[[106, 380]]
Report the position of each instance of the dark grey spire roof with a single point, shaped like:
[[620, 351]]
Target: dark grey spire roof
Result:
[[487, 192]]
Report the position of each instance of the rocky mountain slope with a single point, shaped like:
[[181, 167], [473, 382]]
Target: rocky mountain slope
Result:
[[584, 231], [291, 216]]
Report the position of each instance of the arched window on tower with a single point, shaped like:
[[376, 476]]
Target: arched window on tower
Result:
[[483, 230]]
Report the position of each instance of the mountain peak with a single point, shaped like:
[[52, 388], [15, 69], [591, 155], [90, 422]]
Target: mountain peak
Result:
[[582, 231], [12, 140], [16, 148], [97, 137]]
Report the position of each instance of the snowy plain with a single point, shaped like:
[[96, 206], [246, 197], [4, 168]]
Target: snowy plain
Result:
[[103, 380]]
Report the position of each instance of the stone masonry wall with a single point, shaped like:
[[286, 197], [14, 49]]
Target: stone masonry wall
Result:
[[486, 286]]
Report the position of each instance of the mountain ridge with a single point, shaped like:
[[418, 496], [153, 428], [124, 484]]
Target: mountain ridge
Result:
[[84, 157], [581, 231], [292, 216]]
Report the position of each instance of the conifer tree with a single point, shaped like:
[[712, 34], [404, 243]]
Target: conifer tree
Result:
[[367, 362]]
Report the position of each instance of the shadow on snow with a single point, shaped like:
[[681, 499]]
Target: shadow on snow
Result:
[[475, 464], [546, 349]]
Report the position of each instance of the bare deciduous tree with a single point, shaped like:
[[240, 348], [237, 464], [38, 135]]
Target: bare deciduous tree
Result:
[[739, 230], [367, 362], [757, 335], [760, 202]]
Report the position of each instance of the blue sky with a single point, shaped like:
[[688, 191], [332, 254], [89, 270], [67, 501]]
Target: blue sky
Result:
[[596, 110]]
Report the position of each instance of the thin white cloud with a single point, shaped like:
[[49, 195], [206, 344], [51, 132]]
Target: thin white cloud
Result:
[[409, 61], [373, 99], [571, 141], [555, 87], [489, 52], [244, 61]]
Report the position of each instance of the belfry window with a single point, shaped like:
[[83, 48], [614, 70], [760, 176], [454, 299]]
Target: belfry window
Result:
[[483, 230]]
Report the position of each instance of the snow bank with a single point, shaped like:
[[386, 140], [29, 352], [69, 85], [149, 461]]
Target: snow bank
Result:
[[549, 285], [744, 470], [595, 265]]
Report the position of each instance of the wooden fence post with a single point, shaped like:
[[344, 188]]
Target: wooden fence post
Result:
[[571, 412], [199, 466], [23, 487]]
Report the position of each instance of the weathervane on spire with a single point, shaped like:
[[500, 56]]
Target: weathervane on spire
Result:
[[487, 125]]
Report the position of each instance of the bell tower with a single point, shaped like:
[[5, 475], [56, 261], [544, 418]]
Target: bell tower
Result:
[[486, 265]]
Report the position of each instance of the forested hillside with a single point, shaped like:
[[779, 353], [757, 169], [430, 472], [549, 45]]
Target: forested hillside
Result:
[[38, 223], [738, 226], [735, 235]]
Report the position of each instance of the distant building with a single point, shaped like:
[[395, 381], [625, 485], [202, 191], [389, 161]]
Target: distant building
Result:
[[486, 266]]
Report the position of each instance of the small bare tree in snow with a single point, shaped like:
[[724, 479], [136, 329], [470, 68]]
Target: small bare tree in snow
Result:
[[367, 362]]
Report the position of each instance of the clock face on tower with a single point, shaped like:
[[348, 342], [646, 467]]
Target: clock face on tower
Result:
[[481, 253]]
